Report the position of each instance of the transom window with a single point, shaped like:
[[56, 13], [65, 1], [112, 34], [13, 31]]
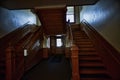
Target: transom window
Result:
[[70, 14], [59, 42]]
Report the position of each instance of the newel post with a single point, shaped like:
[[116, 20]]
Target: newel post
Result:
[[75, 63], [9, 71]]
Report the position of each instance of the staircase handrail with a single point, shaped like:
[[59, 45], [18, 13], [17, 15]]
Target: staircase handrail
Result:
[[69, 33]]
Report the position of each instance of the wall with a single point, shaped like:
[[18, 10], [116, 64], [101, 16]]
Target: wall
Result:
[[13, 19], [104, 17]]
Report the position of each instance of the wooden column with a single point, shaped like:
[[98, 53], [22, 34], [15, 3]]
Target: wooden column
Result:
[[75, 63]]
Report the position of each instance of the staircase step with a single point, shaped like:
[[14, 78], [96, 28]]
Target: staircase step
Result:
[[92, 67], [84, 42], [78, 37], [90, 61], [88, 53], [87, 49], [95, 76], [95, 79], [79, 32], [87, 45], [91, 64], [83, 55], [89, 58], [90, 72]]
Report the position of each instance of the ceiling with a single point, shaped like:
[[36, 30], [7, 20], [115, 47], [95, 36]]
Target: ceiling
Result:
[[28, 4]]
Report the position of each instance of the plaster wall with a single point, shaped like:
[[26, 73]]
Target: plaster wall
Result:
[[13, 19]]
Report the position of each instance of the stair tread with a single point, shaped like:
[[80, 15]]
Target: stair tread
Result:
[[91, 64], [90, 61], [76, 37], [87, 48], [89, 58], [83, 40], [88, 53], [95, 76], [95, 79], [81, 36], [92, 68], [86, 45], [84, 51], [94, 71]]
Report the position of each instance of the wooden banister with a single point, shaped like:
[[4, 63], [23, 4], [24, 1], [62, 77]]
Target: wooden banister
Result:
[[74, 52], [16, 62], [69, 39]]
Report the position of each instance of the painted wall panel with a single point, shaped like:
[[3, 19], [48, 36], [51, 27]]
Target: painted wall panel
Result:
[[104, 16], [12, 19]]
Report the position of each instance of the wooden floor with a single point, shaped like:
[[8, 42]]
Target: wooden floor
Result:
[[57, 67]]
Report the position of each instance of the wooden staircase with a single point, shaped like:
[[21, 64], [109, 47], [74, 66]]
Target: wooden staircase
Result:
[[91, 66]]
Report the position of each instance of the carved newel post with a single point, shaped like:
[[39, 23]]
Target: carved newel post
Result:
[[75, 63]]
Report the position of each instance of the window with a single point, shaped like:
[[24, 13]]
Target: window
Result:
[[59, 42], [70, 14]]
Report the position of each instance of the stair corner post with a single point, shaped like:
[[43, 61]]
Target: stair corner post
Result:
[[75, 63], [9, 62]]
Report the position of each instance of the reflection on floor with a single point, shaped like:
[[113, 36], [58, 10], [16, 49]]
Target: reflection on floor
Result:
[[57, 67]]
